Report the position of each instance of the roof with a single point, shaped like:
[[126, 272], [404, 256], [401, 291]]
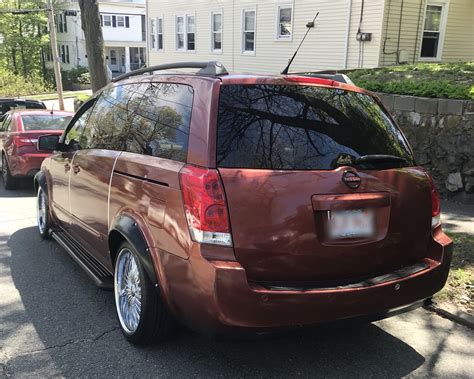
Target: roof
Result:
[[215, 70], [38, 112]]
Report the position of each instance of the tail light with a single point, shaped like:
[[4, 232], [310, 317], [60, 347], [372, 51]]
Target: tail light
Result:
[[435, 204], [205, 205], [20, 141]]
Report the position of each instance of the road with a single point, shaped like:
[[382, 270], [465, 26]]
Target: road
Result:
[[55, 322], [54, 104]]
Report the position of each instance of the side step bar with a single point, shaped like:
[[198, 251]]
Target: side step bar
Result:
[[99, 274]]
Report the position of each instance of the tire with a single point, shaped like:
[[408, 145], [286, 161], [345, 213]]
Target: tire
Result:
[[9, 182], [141, 313], [42, 213]]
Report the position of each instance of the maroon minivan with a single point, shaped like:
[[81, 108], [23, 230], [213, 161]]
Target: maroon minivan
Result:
[[242, 202]]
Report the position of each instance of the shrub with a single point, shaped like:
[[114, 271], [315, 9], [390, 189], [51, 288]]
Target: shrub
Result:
[[12, 85], [449, 80], [84, 78]]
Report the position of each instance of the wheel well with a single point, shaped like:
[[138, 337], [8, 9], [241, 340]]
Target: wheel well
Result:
[[115, 240]]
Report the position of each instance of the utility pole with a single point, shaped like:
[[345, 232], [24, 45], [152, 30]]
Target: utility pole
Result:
[[54, 49]]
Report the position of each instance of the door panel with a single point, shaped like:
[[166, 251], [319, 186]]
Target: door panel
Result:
[[91, 171], [60, 169]]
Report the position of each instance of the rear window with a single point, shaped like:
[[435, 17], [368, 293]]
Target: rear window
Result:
[[45, 122], [6, 106], [294, 127]]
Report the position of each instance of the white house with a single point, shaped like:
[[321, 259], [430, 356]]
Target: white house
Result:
[[251, 35], [124, 31]]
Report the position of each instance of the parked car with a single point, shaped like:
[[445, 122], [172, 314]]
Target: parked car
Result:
[[242, 203], [10, 104], [18, 141]]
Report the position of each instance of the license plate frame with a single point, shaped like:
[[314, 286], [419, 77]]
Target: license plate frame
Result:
[[353, 223]]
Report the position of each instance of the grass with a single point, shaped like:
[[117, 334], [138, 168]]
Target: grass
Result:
[[54, 96], [447, 80], [459, 289]]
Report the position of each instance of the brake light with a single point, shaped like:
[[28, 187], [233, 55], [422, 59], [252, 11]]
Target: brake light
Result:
[[20, 141], [205, 205], [435, 204]]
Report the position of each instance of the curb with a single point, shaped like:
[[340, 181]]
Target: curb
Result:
[[455, 315]]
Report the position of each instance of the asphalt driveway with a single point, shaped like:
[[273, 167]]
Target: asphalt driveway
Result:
[[55, 322]]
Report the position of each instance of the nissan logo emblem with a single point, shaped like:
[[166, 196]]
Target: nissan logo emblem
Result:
[[351, 179]]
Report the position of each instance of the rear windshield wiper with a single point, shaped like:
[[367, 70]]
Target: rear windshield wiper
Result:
[[376, 158]]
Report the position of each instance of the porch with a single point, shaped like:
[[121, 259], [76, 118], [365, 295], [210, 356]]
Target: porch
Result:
[[122, 59]]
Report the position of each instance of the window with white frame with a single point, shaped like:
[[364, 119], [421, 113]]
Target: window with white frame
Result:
[[190, 33], [180, 33], [185, 33], [433, 30], [107, 20], [160, 33], [248, 31], [216, 32], [153, 34], [285, 20], [120, 22]]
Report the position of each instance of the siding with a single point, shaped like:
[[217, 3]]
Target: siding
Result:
[[459, 39], [459, 35], [324, 48]]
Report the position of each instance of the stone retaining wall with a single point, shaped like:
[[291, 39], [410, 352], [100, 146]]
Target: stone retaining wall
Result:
[[441, 133]]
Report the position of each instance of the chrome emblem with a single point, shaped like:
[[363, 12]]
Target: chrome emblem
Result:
[[351, 179]]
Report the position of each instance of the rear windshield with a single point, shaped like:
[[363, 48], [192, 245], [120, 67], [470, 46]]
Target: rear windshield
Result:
[[294, 127], [45, 122], [6, 106]]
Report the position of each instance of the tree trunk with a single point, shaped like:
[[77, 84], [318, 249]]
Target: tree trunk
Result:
[[22, 51], [94, 43]]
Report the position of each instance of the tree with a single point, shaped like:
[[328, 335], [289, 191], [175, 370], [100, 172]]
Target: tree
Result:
[[90, 20], [24, 37]]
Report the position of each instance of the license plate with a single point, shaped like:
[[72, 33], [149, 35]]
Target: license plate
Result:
[[351, 224]]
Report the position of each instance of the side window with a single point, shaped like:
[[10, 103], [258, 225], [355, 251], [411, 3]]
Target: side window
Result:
[[7, 125], [75, 133], [161, 123], [4, 125], [145, 118]]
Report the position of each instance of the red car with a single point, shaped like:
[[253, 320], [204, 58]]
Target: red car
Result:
[[19, 133], [242, 202]]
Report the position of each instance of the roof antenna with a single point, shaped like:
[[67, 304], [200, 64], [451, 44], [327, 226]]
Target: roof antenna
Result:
[[51, 112], [309, 25]]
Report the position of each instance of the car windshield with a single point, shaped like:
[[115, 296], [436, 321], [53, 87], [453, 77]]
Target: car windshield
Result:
[[297, 127], [45, 122]]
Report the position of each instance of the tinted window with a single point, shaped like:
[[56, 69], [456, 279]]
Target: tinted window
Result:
[[301, 127], [6, 106], [77, 130], [45, 122], [145, 118], [5, 124]]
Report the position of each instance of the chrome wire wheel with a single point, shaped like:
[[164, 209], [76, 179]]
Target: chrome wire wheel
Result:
[[41, 211], [128, 291]]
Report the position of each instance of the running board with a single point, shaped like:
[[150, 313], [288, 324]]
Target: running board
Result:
[[99, 274]]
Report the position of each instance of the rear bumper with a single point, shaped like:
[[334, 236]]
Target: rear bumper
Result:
[[26, 165], [218, 296]]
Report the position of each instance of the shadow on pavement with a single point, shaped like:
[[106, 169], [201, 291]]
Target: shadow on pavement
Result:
[[78, 334], [25, 189]]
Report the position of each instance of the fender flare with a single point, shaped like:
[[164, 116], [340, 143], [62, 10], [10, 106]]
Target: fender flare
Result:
[[130, 230], [40, 181]]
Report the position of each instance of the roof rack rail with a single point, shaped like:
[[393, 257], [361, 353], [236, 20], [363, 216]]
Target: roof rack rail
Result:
[[332, 75], [211, 68]]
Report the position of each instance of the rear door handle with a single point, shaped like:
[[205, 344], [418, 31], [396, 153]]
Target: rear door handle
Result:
[[76, 168]]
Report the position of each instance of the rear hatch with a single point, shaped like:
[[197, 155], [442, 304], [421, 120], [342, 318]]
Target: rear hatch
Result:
[[321, 186], [38, 124]]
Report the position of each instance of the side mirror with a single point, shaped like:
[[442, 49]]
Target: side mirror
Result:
[[48, 142]]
